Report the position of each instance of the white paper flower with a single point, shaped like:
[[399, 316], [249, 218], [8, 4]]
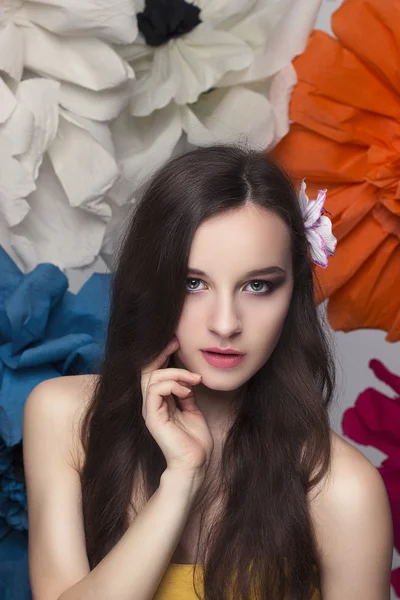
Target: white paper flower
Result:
[[57, 156], [185, 66], [28, 125], [254, 109], [232, 42], [70, 41], [276, 31]]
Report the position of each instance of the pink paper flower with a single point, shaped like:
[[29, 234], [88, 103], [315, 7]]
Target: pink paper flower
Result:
[[374, 420]]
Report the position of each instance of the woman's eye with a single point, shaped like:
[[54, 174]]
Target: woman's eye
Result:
[[191, 280], [261, 287]]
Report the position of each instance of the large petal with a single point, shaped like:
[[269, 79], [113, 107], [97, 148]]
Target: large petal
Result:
[[215, 12], [11, 50], [18, 129], [377, 21], [8, 102], [281, 86], [142, 144], [343, 77], [353, 251], [370, 299], [74, 154], [186, 67], [115, 230], [226, 113], [102, 105], [87, 62], [53, 231], [277, 32], [320, 159], [40, 97], [15, 184], [111, 21]]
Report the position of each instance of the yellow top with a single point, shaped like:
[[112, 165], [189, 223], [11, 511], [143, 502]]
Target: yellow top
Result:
[[177, 584]]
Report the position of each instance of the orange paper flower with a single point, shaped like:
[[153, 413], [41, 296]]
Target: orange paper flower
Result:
[[345, 137]]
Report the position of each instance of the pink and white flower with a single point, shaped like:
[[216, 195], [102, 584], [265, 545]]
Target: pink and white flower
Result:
[[318, 227]]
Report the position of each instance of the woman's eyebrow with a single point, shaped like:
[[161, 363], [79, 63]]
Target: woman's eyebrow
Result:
[[254, 273]]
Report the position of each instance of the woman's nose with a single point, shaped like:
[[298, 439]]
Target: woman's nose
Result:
[[225, 319]]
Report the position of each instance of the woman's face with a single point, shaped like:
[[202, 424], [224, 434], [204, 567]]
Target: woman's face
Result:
[[228, 308]]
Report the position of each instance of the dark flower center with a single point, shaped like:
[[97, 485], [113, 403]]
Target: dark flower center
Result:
[[163, 20]]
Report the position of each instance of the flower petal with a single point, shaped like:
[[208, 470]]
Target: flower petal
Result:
[[8, 102], [11, 50], [215, 12], [318, 248], [74, 153], [226, 113], [15, 184], [314, 209], [142, 143], [115, 229], [187, 67], [102, 105], [276, 32], [114, 22], [282, 84], [53, 231], [325, 230], [303, 198], [40, 97], [88, 62]]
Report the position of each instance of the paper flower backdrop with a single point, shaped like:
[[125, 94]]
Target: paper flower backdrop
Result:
[[96, 94], [45, 332], [375, 421], [345, 136], [206, 72], [62, 82]]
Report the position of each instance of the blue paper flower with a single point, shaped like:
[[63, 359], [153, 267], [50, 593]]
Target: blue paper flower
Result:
[[45, 332]]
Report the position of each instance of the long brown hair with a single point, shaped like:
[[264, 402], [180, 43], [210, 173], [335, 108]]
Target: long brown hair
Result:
[[278, 447]]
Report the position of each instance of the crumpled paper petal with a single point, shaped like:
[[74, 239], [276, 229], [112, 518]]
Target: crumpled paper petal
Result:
[[142, 144], [8, 102], [65, 334], [101, 105], [53, 230], [15, 184], [276, 32], [11, 50], [96, 65], [74, 154], [40, 98], [228, 114], [114, 22], [184, 69]]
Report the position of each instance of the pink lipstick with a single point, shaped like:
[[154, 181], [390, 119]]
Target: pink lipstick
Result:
[[222, 361]]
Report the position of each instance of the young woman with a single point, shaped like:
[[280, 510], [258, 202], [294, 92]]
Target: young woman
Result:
[[180, 459]]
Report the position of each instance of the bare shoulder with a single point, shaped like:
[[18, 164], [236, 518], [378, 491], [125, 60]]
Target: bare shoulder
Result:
[[350, 472], [352, 523], [70, 397]]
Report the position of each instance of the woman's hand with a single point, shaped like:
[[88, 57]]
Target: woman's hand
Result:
[[183, 435]]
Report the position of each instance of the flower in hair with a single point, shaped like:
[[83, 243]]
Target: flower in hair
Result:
[[318, 227]]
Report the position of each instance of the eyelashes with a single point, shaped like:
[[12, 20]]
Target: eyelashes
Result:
[[271, 285]]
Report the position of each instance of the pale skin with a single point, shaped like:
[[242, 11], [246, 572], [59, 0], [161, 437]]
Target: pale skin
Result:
[[227, 308], [350, 514]]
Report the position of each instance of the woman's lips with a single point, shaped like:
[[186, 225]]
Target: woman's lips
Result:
[[222, 361]]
